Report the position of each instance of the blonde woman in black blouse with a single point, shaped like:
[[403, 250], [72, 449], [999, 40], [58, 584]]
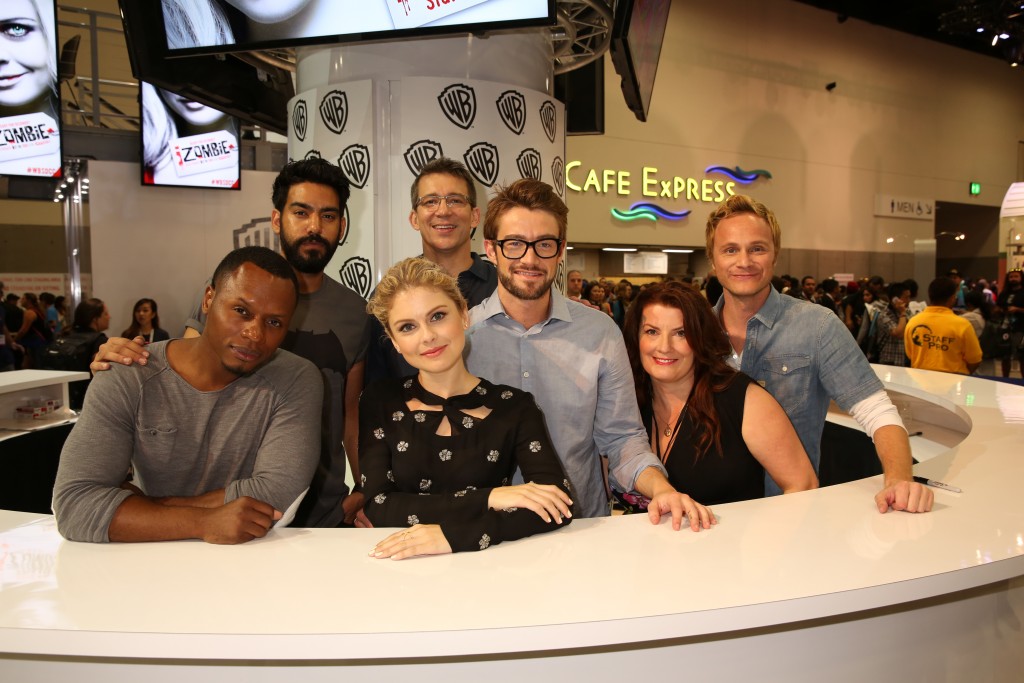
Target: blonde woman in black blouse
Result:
[[438, 450]]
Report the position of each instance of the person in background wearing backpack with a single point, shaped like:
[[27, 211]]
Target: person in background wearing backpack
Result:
[[34, 335], [75, 349]]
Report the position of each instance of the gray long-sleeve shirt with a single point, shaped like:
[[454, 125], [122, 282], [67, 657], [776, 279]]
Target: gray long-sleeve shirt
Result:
[[259, 437]]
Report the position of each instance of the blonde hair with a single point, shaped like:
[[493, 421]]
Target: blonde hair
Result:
[[739, 204], [46, 21], [410, 274], [196, 22]]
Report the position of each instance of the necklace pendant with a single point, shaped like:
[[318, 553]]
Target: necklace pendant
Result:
[[668, 431]]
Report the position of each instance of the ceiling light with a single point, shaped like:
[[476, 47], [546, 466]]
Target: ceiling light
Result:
[[618, 249], [678, 251]]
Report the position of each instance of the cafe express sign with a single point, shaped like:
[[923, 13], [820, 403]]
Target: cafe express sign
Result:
[[656, 187]]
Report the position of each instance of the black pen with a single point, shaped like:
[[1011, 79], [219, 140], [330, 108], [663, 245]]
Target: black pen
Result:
[[937, 484], [915, 434]]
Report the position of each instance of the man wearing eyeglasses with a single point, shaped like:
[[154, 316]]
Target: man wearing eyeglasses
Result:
[[444, 213], [570, 357]]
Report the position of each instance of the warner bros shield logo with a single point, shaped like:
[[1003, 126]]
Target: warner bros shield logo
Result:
[[458, 102], [355, 164], [334, 111], [528, 163], [548, 119], [482, 161], [256, 233], [300, 119], [512, 110], [558, 175], [421, 153], [356, 275]]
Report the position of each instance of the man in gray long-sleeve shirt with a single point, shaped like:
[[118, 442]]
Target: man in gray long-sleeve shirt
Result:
[[221, 431]]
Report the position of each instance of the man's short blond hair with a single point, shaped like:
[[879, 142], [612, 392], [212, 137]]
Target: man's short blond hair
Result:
[[740, 204]]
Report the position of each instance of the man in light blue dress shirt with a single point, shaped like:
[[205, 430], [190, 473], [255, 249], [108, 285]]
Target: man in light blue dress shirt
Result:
[[803, 355], [570, 357]]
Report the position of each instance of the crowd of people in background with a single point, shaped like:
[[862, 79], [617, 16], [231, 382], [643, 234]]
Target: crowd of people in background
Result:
[[876, 312], [36, 332]]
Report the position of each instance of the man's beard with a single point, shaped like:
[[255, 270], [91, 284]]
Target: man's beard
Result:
[[508, 282], [308, 264]]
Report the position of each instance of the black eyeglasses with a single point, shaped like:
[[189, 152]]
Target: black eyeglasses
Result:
[[544, 248], [432, 202]]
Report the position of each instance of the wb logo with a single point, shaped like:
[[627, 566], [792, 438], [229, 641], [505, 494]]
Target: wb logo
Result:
[[355, 163], [422, 153], [300, 118], [512, 110], [558, 175], [528, 162], [547, 119], [334, 111], [482, 161], [256, 233], [355, 274], [458, 102], [313, 154]]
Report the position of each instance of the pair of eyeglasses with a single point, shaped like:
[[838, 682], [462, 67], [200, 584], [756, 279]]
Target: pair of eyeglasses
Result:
[[432, 202], [513, 248]]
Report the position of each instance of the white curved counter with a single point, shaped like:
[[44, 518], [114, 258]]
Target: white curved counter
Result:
[[798, 587]]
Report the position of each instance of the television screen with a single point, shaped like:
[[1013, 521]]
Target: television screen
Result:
[[636, 47], [228, 25], [186, 143], [249, 89], [29, 99]]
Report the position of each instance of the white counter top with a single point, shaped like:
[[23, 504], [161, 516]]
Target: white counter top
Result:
[[315, 594]]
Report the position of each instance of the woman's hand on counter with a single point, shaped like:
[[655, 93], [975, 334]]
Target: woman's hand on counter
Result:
[[419, 539]]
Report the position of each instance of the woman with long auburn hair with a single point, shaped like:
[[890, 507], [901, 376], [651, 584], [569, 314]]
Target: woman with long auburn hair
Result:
[[715, 429]]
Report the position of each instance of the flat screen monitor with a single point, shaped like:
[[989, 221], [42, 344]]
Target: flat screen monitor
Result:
[[249, 89], [637, 35], [186, 143], [228, 25], [30, 141]]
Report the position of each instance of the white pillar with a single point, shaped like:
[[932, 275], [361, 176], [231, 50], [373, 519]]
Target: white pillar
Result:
[[381, 110]]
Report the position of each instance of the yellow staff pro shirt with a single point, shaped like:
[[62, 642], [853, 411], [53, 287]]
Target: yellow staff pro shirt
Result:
[[939, 339]]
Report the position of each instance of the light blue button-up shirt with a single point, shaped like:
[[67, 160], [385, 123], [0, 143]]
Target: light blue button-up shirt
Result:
[[575, 365], [804, 356]]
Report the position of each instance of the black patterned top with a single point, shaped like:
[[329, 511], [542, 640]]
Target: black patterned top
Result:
[[411, 475]]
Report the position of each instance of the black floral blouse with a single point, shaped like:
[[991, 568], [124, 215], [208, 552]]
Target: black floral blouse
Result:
[[410, 475]]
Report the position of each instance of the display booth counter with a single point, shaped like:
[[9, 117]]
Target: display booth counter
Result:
[[27, 388], [809, 585]]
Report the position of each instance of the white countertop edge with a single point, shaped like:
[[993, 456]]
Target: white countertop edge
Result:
[[397, 646]]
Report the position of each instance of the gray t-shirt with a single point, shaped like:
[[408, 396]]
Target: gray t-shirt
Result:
[[331, 329], [256, 437]]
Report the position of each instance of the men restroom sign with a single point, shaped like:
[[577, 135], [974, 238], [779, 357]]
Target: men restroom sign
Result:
[[891, 206]]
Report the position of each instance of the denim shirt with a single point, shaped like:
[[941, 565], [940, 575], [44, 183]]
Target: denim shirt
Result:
[[804, 356], [575, 365]]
